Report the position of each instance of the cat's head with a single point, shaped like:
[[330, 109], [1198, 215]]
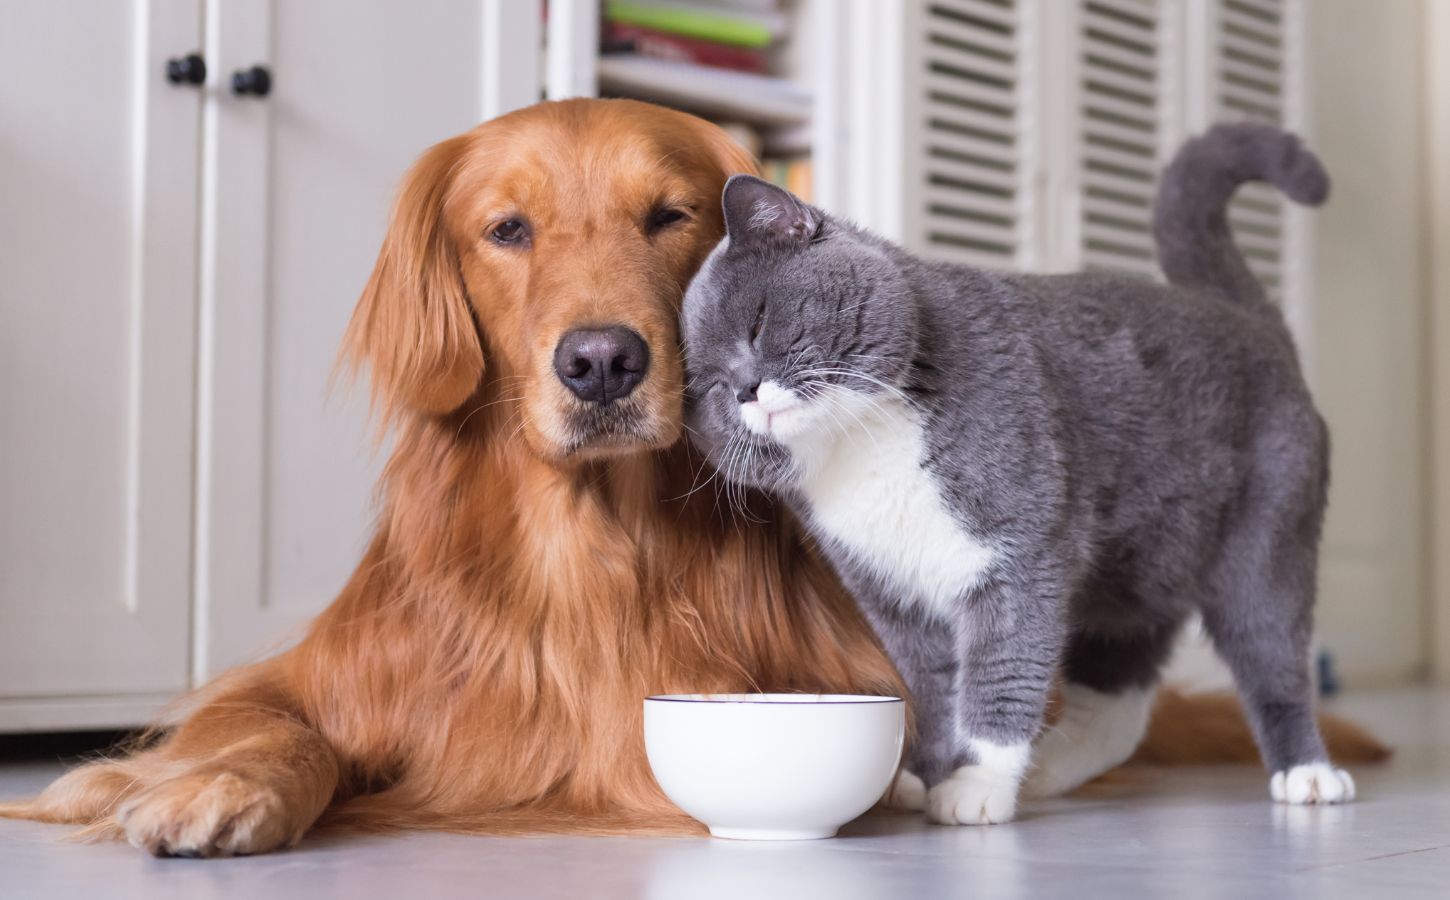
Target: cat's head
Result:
[[795, 326]]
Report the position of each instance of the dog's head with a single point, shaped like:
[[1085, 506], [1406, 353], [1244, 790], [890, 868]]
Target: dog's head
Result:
[[536, 265]]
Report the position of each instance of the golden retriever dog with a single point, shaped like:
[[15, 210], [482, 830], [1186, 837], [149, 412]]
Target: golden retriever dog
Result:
[[548, 552], [544, 558]]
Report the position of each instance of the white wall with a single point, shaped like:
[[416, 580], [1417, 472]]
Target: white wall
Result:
[[1368, 332]]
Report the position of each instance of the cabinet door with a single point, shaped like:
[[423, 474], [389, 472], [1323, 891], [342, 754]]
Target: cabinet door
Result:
[[297, 190], [98, 171]]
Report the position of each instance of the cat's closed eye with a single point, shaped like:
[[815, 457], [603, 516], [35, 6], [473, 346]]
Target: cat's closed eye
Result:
[[759, 318]]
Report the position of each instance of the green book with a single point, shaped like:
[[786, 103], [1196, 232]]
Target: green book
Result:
[[695, 23]]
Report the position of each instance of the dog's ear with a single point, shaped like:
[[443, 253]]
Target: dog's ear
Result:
[[413, 327]]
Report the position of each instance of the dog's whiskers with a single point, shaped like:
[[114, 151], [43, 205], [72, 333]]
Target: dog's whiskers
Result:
[[480, 408]]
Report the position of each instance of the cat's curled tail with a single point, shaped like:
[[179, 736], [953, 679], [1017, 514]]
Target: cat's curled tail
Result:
[[1190, 220]]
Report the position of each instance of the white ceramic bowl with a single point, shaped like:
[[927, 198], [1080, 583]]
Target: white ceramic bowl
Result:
[[774, 766]]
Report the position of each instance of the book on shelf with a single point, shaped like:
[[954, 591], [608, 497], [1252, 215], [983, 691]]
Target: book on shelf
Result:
[[706, 56], [711, 58], [792, 173], [744, 135], [754, 26], [756, 5], [620, 37], [718, 93]]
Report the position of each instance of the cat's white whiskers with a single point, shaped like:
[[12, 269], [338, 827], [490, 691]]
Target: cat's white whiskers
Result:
[[695, 484], [870, 379], [826, 405], [727, 466], [724, 483], [822, 371], [727, 486], [738, 453], [736, 491], [858, 416], [793, 357]]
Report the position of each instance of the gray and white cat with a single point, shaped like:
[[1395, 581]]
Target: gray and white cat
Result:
[[1018, 473]]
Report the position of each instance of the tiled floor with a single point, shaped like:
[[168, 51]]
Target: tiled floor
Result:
[[1170, 833]]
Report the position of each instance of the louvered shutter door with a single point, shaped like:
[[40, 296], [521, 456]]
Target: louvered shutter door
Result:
[[1126, 128], [975, 198], [1004, 110], [1035, 130]]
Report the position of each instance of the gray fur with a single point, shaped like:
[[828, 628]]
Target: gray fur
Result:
[[1144, 450]]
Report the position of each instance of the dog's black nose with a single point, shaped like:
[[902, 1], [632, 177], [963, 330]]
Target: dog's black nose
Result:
[[601, 364]]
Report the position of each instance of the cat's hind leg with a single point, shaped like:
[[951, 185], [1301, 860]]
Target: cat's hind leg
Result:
[[1096, 731], [1269, 660], [1107, 697], [1258, 610]]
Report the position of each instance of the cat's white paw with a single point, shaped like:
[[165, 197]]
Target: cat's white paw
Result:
[[974, 795], [907, 792], [1312, 783]]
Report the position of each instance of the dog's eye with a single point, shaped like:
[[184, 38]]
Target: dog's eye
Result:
[[509, 231], [664, 218]]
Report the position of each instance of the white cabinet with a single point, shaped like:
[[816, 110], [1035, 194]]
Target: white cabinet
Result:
[[180, 489], [98, 171], [297, 192]]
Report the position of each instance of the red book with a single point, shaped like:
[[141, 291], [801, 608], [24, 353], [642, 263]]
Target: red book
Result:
[[622, 38]]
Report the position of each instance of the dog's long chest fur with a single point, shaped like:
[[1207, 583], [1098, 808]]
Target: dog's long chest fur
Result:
[[870, 495]]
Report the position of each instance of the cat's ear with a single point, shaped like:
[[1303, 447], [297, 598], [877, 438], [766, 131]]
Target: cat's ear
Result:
[[756, 210]]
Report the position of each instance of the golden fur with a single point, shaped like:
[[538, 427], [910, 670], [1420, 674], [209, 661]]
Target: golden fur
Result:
[[1209, 728], [484, 667]]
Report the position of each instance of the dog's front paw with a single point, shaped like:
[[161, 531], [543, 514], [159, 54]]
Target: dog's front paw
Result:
[[973, 795], [907, 792], [207, 813], [1312, 783]]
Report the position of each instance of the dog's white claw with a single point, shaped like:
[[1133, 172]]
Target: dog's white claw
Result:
[[1312, 783]]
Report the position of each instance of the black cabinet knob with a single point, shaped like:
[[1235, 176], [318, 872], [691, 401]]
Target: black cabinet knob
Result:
[[187, 70], [256, 81]]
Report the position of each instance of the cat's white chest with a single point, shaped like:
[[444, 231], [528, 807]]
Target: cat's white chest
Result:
[[870, 494]]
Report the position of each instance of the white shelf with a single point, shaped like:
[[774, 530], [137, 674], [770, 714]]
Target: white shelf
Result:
[[720, 93]]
